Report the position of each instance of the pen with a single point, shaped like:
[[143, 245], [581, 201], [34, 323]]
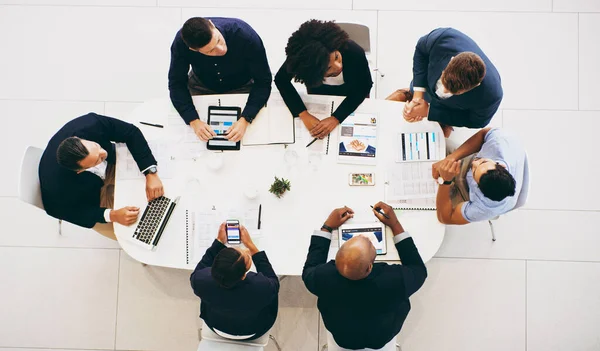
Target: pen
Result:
[[380, 212], [259, 214], [309, 144], [152, 124]]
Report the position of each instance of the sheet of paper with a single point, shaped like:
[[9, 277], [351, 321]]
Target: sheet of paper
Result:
[[128, 169], [411, 185]]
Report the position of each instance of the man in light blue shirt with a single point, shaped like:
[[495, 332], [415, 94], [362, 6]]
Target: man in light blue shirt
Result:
[[485, 177]]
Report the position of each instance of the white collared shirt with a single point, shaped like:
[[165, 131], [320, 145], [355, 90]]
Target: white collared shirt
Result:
[[338, 80], [440, 90]]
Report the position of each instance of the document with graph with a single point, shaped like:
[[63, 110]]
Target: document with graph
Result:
[[410, 186]]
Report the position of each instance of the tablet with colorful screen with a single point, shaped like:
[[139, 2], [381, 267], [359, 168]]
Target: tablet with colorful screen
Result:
[[375, 232], [220, 119]]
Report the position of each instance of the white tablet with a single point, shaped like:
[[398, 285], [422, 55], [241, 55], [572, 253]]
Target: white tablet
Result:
[[372, 231]]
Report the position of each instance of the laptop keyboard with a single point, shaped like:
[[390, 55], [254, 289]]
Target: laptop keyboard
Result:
[[151, 219]]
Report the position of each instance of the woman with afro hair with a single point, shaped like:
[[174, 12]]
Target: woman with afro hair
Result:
[[321, 56]]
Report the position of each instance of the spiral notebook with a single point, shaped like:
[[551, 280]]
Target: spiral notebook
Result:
[[321, 110]]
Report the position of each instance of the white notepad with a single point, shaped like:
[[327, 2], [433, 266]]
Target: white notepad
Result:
[[274, 124]]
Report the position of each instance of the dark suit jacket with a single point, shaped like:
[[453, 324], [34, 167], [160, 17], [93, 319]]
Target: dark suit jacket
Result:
[[473, 109], [250, 307], [356, 87], [365, 313], [76, 197]]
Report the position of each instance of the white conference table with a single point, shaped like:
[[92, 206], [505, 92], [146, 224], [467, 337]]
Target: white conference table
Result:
[[318, 185]]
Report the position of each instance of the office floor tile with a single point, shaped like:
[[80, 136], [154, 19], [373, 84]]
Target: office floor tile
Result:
[[296, 329], [563, 306], [32, 123], [528, 234], [58, 298], [520, 64], [157, 308], [26, 225], [575, 6], [561, 147], [262, 4], [468, 305], [82, 2], [127, 60], [589, 54], [293, 293], [460, 5]]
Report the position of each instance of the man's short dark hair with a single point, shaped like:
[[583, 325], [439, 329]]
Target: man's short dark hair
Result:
[[197, 32], [464, 72], [308, 50], [70, 152], [497, 184], [228, 267]]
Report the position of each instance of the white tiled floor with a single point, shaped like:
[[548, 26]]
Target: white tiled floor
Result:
[[534, 289]]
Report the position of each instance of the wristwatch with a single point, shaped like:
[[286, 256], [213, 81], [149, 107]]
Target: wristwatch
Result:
[[441, 181], [327, 228], [150, 170]]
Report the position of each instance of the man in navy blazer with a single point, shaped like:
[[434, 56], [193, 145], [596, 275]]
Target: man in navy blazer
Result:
[[77, 172], [454, 82]]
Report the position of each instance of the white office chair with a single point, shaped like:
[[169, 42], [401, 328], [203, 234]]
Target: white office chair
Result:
[[212, 341], [333, 346], [29, 181], [360, 33], [521, 200]]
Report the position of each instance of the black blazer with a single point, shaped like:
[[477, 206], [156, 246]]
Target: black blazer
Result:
[[473, 109], [76, 197], [356, 87], [250, 307], [365, 313]]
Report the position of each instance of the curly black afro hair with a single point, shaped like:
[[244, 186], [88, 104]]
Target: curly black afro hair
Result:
[[308, 50]]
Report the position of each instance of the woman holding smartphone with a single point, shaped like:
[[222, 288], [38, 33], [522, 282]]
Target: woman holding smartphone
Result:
[[235, 303]]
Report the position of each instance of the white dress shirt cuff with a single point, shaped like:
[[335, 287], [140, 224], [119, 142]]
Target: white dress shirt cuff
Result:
[[398, 238], [419, 89], [323, 234], [107, 215], [147, 168]]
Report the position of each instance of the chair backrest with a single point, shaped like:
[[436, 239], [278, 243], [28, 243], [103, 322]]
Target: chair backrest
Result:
[[29, 181], [228, 344], [522, 199], [359, 33]]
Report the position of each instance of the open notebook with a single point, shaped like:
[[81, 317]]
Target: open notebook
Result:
[[274, 124]]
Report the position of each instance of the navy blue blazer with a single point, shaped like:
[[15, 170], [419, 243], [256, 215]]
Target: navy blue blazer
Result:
[[75, 197], [473, 109], [249, 307]]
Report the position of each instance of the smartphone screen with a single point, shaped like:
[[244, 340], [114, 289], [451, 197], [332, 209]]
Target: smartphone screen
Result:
[[233, 231]]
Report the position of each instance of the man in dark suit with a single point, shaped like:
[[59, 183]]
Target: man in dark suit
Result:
[[77, 172], [227, 57], [454, 82], [363, 303], [235, 303]]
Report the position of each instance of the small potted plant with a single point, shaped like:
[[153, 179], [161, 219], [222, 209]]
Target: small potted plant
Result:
[[279, 187]]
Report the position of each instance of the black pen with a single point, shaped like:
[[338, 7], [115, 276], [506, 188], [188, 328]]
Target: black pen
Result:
[[151, 124], [309, 144], [380, 211], [259, 214]]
